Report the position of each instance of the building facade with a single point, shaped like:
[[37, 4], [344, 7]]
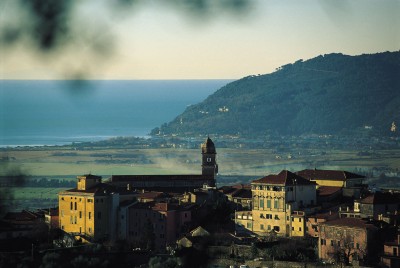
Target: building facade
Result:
[[345, 240], [279, 205], [157, 225], [89, 211]]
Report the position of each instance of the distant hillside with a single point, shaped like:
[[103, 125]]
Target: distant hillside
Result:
[[330, 94]]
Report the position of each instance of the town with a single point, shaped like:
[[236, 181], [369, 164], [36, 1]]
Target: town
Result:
[[308, 218]]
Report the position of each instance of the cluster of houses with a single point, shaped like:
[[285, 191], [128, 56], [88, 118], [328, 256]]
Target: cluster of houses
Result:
[[334, 207]]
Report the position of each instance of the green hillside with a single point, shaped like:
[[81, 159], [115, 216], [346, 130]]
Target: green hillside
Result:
[[330, 94]]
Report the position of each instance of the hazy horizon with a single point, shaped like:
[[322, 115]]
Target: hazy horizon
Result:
[[161, 40]]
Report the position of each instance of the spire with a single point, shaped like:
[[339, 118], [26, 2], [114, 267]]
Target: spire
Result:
[[208, 147]]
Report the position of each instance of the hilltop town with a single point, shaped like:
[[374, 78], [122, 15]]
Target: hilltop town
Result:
[[310, 218]]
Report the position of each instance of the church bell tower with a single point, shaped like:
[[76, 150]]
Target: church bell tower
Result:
[[209, 164]]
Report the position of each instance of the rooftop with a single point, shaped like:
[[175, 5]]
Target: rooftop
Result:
[[350, 222], [381, 198], [335, 175], [284, 178]]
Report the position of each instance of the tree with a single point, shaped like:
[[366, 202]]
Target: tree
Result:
[[158, 262], [148, 238], [344, 248]]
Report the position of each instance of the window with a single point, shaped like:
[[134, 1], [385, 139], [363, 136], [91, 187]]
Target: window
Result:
[[75, 222], [80, 214], [332, 243], [276, 203], [323, 242], [262, 216], [262, 226], [208, 159], [269, 216], [62, 227], [262, 203], [90, 230], [71, 206], [276, 217], [299, 219], [299, 229], [287, 218], [269, 203], [249, 225], [90, 215], [292, 228], [276, 228], [76, 206], [90, 200], [269, 227]]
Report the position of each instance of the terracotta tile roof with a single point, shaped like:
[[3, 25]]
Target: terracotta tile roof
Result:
[[242, 193], [325, 215], [21, 216], [328, 190], [127, 178], [284, 178], [381, 198], [234, 188], [150, 195], [350, 222], [335, 175], [154, 206]]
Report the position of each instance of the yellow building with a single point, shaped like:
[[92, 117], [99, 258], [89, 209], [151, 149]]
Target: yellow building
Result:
[[334, 178], [275, 200], [89, 211]]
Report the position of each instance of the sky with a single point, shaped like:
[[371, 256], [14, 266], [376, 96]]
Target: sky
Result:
[[156, 40]]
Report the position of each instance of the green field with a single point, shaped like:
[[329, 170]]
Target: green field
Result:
[[260, 162], [235, 166]]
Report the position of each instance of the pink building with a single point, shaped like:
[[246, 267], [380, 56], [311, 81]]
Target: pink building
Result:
[[157, 225], [345, 240], [391, 253]]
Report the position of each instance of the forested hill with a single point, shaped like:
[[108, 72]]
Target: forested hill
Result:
[[330, 94]]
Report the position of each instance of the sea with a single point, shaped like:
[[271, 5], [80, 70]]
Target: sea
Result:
[[61, 112]]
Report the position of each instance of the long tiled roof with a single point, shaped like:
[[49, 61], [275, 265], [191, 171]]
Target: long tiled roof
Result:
[[335, 175], [127, 178], [350, 222], [328, 190], [284, 178], [381, 198]]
